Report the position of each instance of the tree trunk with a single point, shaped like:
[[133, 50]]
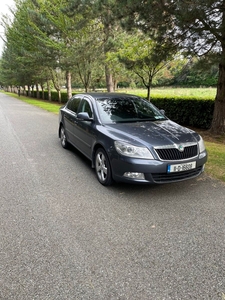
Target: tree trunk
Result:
[[49, 91], [68, 84], [60, 98], [32, 91], [149, 85], [218, 122], [149, 93], [37, 91], [42, 92], [114, 84], [29, 91], [109, 80], [56, 82], [107, 48]]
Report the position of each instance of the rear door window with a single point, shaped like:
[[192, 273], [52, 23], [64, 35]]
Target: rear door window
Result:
[[73, 104]]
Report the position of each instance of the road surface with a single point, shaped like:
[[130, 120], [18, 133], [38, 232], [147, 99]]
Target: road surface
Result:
[[65, 236]]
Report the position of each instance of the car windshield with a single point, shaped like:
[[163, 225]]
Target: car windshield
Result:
[[127, 109]]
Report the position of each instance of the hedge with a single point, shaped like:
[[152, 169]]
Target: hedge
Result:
[[188, 112], [185, 111]]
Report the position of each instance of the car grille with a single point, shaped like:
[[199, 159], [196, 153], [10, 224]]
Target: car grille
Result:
[[175, 154], [169, 177]]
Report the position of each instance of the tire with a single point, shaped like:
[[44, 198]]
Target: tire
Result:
[[103, 168], [63, 138]]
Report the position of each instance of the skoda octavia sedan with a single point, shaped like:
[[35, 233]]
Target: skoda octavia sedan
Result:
[[128, 139]]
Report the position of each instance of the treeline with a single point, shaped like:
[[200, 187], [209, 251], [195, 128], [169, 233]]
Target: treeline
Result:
[[50, 45], [181, 73], [109, 43]]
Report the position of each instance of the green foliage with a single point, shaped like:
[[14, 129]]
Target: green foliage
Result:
[[192, 72], [84, 38], [42, 37], [216, 160], [197, 27], [142, 55], [186, 106], [188, 112], [54, 96]]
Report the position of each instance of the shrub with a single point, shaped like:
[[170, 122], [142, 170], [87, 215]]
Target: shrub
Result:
[[183, 110], [188, 112]]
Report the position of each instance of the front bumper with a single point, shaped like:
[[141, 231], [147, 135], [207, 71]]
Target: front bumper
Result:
[[155, 171]]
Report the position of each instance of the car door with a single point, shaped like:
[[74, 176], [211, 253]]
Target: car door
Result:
[[84, 131], [70, 117]]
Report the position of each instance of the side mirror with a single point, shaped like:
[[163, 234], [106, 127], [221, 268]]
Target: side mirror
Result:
[[84, 116], [162, 111]]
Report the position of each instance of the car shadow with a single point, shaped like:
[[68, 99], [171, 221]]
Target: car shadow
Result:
[[132, 189]]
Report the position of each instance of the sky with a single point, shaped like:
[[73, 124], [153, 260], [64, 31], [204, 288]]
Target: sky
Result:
[[4, 10]]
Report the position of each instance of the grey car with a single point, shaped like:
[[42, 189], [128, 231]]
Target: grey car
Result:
[[128, 139]]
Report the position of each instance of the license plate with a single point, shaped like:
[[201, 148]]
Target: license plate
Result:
[[181, 167]]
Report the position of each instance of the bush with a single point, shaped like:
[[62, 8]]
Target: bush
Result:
[[185, 111], [188, 112], [54, 96]]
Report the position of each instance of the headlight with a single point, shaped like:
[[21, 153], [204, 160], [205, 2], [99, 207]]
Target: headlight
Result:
[[129, 150], [201, 145]]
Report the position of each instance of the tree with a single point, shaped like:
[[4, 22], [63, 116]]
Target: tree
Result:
[[15, 70], [144, 57], [24, 56], [102, 12], [88, 63], [197, 26], [203, 26], [53, 30]]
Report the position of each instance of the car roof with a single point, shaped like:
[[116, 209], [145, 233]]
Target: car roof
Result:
[[100, 95]]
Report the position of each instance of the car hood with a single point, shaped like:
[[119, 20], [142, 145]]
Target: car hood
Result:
[[156, 133]]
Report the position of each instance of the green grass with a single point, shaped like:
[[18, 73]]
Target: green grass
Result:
[[216, 160], [46, 105], [214, 145], [200, 93]]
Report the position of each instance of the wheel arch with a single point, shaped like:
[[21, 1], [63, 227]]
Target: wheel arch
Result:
[[103, 169], [60, 125], [95, 148]]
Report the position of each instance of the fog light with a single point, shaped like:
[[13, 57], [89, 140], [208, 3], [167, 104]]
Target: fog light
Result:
[[201, 155], [134, 175]]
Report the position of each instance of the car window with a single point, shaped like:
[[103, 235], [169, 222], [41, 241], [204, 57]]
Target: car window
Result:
[[73, 104], [86, 107], [147, 110], [127, 109]]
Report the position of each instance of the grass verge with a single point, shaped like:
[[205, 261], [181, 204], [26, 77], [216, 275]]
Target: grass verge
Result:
[[215, 166], [46, 105]]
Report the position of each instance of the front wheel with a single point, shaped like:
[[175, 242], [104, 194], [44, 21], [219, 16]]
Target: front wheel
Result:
[[102, 167], [63, 138]]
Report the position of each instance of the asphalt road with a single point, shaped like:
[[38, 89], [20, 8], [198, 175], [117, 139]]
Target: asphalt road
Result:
[[65, 236]]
